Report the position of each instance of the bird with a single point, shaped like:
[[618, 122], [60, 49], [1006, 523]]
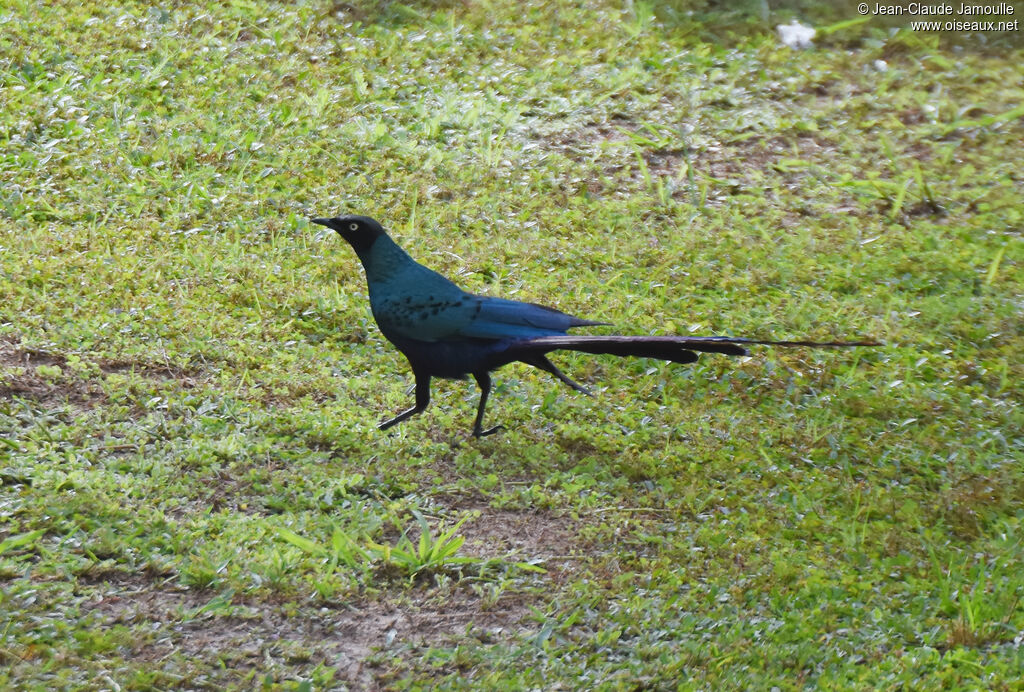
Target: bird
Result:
[[446, 332]]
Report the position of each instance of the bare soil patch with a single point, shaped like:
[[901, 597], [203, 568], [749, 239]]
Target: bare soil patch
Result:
[[19, 377], [253, 634], [520, 535]]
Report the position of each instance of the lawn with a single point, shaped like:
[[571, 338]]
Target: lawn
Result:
[[193, 491]]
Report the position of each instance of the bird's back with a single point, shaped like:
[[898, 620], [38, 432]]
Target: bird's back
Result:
[[410, 301]]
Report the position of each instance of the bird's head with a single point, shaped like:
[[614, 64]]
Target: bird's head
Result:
[[359, 231]]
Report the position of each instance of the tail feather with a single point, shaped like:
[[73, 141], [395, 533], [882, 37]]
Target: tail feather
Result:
[[678, 349], [660, 347]]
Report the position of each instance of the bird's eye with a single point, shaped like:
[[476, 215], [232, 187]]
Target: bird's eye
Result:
[[353, 227]]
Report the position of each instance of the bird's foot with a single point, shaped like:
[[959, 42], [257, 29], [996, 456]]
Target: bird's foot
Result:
[[490, 431]]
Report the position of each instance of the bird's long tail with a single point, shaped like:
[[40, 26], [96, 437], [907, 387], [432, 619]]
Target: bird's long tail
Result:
[[678, 349]]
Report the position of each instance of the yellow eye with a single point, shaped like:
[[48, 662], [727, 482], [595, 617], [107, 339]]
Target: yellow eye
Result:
[[353, 227]]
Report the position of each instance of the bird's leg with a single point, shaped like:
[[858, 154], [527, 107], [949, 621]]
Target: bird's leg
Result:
[[541, 361], [422, 399], [483, 379]]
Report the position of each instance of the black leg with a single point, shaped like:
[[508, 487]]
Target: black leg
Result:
[[541, 361], [422, 399], [483, 379]]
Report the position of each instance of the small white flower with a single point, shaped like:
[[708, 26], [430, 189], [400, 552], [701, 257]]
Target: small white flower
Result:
[[796, 35]]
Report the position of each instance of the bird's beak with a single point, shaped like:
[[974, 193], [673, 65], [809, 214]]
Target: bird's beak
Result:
[[323, 222]]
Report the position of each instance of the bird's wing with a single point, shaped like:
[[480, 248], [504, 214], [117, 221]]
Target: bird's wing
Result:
[[423, 316], [427, 316], [498, 318]]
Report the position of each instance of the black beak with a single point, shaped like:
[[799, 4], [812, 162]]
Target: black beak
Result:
[[324, 222]]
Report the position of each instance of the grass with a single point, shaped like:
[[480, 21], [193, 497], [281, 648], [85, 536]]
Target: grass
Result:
[[193, 493]]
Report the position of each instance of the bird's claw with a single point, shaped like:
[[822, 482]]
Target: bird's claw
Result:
[[490, 431]]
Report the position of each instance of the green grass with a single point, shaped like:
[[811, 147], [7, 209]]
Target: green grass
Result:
[[193, 492]]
